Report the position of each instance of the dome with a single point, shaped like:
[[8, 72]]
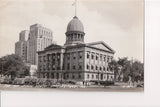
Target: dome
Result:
[[75, 25]]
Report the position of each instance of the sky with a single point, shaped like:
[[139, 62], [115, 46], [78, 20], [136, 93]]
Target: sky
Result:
[[119, 23]]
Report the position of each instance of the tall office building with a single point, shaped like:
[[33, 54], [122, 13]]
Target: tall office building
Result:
[[21, 45], [39, 38]]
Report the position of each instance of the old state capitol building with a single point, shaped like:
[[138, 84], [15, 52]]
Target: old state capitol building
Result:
[[76, 60]]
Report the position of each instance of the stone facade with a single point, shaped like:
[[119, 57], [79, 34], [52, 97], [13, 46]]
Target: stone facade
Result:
[[76, 60]]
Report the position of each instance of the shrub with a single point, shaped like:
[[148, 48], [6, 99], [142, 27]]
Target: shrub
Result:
[[18, 81], [5, 80], [106, 83]]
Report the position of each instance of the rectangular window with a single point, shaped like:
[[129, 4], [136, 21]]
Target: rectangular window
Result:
[[88, 55], [80, 67], [96, 67], [96, 57], [100, 68], [107, 69], [87, 66], [74, 66], [92, 67], [68, 66], [88, 76]]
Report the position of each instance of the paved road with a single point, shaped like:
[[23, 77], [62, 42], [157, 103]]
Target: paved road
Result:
[[88, 89]]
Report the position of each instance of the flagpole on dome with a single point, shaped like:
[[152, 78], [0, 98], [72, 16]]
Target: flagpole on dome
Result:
[[75, 4]]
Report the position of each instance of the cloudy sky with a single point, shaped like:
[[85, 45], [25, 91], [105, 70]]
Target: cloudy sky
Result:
[[119, 23]]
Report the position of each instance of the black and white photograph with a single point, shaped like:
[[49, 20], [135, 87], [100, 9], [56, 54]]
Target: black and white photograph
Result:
[[72, 45]]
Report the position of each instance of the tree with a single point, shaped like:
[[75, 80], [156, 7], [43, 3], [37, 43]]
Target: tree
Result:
[[128, 68], [137, 71], [113, 66], [13, 66]]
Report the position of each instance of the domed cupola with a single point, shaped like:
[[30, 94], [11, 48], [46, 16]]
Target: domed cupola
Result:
[[75, 32], [75, 25]]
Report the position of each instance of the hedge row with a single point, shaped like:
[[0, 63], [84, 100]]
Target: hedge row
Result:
[[46, 82]]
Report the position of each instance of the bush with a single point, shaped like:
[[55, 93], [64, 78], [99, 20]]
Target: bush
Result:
[[46, 82], [18, 81], [30, 81], [5, 80], [73, 82], [106, 83]]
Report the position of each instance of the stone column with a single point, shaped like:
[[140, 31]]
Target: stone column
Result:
[[61, 61], [61, 64]]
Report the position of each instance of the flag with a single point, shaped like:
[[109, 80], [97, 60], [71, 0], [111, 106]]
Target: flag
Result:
[[74, 3]]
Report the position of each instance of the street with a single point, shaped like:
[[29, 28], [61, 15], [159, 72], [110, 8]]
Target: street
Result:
[[4, 87]]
